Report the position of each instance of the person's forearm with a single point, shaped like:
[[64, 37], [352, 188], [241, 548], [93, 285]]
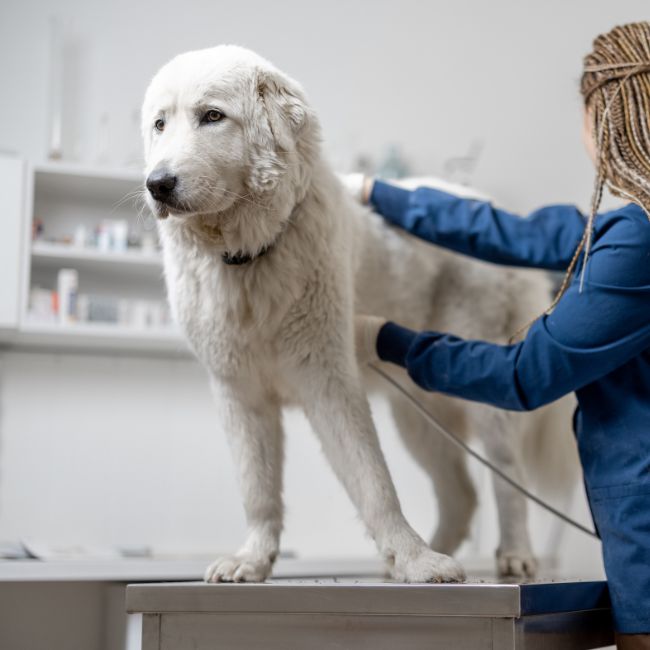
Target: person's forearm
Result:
[[518, 377], [443, 363], [545, 239]]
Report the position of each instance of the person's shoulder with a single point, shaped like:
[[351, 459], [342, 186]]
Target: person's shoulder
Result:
[[628, 223], [621, 248]]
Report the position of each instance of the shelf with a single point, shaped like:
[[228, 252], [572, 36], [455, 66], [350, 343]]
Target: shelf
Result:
[[79, 170], [68, 180], [100, 336], [64, 195], [59, 255]]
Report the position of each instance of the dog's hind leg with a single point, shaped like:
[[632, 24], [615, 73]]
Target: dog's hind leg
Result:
[[336, 405], [254, 429], [497, 430], [447, 467]]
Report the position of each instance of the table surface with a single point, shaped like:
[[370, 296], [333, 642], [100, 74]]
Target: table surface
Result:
[[489, 598], [169, 568]]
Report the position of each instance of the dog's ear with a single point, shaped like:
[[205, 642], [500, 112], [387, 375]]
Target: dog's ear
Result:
[[284, 115], [285, 106]]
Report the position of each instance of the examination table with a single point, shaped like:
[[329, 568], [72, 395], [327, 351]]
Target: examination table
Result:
[[370, 614]]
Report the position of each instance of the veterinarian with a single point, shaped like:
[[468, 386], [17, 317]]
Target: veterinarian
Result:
[[595, 337]]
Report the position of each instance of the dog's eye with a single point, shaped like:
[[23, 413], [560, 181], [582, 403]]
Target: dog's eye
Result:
[[213, 115], [159, 125]]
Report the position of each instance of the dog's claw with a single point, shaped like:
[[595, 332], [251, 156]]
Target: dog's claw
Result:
[[428, 566], [238, 568], [516, 564]]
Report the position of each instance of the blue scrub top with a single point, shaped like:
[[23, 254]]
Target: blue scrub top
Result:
[[596, 342]]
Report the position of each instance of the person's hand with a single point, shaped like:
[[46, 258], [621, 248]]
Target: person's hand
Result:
[[366, 331], [358, 185]]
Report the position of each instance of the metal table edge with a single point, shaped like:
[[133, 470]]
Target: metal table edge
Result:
[[385, 599]]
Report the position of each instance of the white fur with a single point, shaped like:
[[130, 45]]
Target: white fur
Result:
[[280, 329]]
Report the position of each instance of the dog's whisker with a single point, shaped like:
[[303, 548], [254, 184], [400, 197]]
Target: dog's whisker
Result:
[[207, 186], [133, 196], [248, 200]]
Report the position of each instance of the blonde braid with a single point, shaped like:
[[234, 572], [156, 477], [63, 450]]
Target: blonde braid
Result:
[[615, 86]]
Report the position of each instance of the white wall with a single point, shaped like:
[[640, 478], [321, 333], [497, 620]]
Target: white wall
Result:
[[128, 451], [430, 76]]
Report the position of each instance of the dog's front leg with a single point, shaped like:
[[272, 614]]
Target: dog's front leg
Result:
[[336, 405], [254, 429]]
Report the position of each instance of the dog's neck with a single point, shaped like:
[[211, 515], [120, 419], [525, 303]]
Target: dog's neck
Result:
[[246, 231], [240, 258]]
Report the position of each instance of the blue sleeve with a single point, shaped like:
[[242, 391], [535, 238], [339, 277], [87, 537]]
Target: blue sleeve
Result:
[[588, 335], [546, 239]]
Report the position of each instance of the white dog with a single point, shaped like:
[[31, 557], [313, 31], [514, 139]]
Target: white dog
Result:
[[266, 260]]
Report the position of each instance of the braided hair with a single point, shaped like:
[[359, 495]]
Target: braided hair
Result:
[[615, 87]]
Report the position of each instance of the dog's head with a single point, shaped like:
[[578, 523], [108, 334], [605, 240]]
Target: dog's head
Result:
[[222, 126]]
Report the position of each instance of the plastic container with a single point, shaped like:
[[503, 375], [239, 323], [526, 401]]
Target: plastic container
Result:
[[67, 289]]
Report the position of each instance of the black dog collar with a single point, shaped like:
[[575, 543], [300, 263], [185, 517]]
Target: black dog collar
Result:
[[239, 258]]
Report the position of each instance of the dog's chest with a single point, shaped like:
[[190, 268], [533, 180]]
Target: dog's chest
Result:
[[225, 319]]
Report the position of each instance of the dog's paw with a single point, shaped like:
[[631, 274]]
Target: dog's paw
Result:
[[516, 564], [427, 566], [242, 567]]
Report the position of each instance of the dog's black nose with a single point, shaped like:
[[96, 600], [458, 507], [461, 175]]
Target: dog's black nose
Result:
[[161, 184]]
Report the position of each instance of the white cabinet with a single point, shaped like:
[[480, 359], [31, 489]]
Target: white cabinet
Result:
[[67, 216]]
